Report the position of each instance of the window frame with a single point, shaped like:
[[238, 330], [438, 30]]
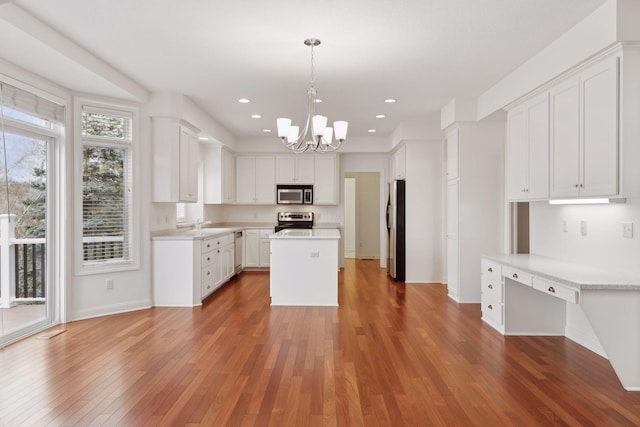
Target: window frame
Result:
[[132, 152]]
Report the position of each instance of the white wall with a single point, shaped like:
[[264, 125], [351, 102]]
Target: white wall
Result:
[[602, 247]]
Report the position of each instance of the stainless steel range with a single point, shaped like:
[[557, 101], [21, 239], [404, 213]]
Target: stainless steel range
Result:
[[302, 220]]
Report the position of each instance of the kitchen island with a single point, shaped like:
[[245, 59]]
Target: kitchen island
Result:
[[304, 267]]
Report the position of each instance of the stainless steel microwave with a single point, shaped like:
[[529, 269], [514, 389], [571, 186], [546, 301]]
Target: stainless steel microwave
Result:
[[294, 194]]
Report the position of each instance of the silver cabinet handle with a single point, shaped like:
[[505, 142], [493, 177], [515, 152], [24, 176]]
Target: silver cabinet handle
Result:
[[515, 275]]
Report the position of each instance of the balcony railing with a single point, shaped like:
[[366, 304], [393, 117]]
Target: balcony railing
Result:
[[23, 262], [30, 269]]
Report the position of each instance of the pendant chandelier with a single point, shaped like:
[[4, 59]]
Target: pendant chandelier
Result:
[[315, 134]]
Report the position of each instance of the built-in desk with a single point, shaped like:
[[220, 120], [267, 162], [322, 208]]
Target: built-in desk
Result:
[[528, 295]]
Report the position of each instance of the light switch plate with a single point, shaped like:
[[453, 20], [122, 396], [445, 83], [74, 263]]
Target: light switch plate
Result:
[[627, 229], [583, 228]]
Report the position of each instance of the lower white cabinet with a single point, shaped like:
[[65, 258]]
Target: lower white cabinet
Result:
[[492, 296], [220, 263], [257, 249], [185, 271]]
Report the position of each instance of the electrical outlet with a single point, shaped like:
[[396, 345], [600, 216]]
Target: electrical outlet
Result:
[[109, 283], [627, 229], [565, 225], [583, 228], [315, 254]]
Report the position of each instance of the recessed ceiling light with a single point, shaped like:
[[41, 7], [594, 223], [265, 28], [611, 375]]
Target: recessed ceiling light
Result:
[[266, 130], [372, 131], [243, 101], [380, 116], [318, 100], [256, 116], [203, 138], [390, 100]]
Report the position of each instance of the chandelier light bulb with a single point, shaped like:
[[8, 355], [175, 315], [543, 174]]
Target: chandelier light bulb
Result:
[[315, 134], [293, 134], [283, 127], [340, 129]]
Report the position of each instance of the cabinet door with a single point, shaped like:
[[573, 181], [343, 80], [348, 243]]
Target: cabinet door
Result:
[[565, 139], [453, 276], [517, 159], [228, 175], [285, 170], [325, 189], [265, 180], [265, 252], [305, 170], [188, 166], [251, 248], [216, 267], [452, 154], [538, 148], [452, 210], [599, 99], [245, 179]]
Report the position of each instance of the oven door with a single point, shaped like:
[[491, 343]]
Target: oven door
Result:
[[290, 196]]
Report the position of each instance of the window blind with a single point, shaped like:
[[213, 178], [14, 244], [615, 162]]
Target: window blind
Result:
[[31, 103], [107, 210]]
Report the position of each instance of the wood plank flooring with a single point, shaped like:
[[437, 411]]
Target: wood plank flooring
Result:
[[390, 355]]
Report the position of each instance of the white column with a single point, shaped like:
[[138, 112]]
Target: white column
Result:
[[7, 272]]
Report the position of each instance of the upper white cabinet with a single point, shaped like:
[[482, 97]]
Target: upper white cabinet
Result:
[[175, 161], [255, 180], [528, 150], [325, 187], [584, 133], [295, 169], [219, 174]]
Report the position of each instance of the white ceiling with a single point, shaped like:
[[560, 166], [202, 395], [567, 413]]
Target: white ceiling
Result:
[[421, 52]]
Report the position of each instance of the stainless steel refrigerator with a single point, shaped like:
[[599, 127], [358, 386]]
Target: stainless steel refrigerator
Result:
[[396, 229]]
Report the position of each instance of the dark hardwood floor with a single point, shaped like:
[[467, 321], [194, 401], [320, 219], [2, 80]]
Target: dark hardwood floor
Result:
[[390, 355]]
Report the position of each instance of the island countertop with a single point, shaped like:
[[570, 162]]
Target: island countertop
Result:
[[306, 234]]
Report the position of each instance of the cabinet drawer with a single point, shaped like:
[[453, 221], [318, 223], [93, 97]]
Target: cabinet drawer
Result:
[[207, 274], [207, 259], [207, 288], [491, 269], [558, 291], [491, 290], [216, 242], [492, 312], [517, 275]]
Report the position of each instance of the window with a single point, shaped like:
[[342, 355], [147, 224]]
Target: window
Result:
[[107, 188], [181, 214]]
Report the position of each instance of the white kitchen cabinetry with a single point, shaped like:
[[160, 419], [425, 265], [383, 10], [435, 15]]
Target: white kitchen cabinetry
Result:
[[218, 173], [255, 180], [325, 187], [452, 154], [474, 206], [265, 248], [295, 170], [185, 271], [584, 133], [217, 262], [528, 150], [492, 299], [257, 251], [175, 161]]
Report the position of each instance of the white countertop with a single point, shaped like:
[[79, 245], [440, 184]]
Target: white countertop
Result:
[[577, 276], [190, 234], [316, 233]]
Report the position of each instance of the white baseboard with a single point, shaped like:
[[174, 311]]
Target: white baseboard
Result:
[[110, 309]]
